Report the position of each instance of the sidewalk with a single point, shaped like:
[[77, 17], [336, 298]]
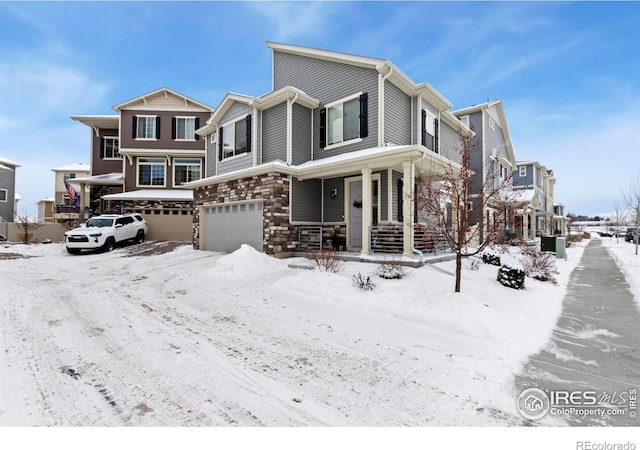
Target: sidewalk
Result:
[[594, 347]]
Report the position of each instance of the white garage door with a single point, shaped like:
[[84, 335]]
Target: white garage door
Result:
[[227, 227]]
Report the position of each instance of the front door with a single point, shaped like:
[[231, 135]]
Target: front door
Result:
[[355, 214]]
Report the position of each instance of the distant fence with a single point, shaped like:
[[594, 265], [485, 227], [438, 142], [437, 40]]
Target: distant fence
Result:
[[53, 231]]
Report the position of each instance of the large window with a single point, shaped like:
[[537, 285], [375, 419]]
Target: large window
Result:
[[184, 128], [146, 127], [3, 195], [151, 172], [344, 120], [186, 170], [110, 148], [235, 138]]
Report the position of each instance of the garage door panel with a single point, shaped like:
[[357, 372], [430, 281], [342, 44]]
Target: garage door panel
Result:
[[227, 227]]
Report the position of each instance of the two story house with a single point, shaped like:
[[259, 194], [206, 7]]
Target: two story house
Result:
[[335, 147], [142, 155], [64, 209], [493, 161], [7, 191], [533, 176]]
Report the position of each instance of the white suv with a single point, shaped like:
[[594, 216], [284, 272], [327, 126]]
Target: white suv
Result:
[[104, 232]]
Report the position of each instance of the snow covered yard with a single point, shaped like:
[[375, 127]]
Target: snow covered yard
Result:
[[191, 338], [625, 256]]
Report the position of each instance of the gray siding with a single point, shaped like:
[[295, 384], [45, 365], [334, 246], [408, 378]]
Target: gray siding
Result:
[[212, 156], [329, 81], [397, 115], [7, 182], [333, 207], [257, 124], [236, 111], [450, 143], [301, 134], [306, 200], [395, 176], [274, 133], [384, 189], [243, 161], [527, 180]]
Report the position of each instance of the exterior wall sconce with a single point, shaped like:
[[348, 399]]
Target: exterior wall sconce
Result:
[[334, 193]]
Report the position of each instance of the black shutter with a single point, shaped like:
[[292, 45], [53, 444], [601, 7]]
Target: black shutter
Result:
[[220, 143], [173, 127], [157, 127], [101, 148], [197, 125], [247, 149], [436, 124], [323, 127], [134, 127], [364, 119], [424, 128], [400, 202]]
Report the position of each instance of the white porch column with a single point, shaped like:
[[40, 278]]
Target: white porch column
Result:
[[534, 223], [367, 210], [407, 208], [525, 224]]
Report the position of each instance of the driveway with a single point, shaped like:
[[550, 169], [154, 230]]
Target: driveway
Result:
[[590, 370]]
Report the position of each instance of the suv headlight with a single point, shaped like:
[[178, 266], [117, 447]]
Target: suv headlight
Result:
[[95, 234]]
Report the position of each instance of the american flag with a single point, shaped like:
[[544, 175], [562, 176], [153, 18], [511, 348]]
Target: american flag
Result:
[[70, 191]]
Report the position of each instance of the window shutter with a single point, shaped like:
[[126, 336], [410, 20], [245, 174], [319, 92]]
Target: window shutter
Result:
[[436, 124], [157, 127], [323, 127], [364, 119], [101, 148], [400, 202], [220, 142], [134, 127], [173, 127], [424, 128], [196, 126], [247, 149]]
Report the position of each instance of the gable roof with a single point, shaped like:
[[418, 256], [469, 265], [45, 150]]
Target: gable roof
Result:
[[5, 162], [161, 91]]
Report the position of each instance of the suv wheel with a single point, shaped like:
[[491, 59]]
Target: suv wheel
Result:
[[139, 237], [109, 245]]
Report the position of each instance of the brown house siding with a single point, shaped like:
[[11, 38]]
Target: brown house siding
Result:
[[101, 166], [279, 237], [165, 141], [131, 174]]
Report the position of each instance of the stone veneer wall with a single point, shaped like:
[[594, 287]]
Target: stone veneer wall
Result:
[[279, 237]]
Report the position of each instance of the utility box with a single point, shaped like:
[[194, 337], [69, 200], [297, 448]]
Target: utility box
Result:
[[561, 247], [548, 244]]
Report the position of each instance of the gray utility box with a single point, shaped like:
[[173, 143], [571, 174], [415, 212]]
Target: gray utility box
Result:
[[561, 247]]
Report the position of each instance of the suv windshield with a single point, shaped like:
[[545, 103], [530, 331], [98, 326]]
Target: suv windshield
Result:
[[96, 222]]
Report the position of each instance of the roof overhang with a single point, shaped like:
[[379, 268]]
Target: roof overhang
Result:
[[7, 168], [107, 179], [153, 194], [102, 122], [7, 163], [188, 102]]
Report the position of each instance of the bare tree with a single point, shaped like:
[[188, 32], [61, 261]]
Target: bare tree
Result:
[[27, 227], [631, 197], [479, 209], [619, 216]]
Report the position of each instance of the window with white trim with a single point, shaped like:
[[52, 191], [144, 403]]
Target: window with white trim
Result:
[[110, 148], [151, 171], [68, 175], [522, 171], [429, 129], [344, 120], [3, 195], [146, 127], [186, 170], [184, 128], [235, 138]]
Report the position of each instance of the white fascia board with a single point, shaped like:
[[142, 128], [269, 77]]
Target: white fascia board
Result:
[[456, 124], [281, 95], [225, 104]]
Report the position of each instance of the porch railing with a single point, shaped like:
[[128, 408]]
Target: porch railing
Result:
[[4, 229], [389, 239], [309, 237]]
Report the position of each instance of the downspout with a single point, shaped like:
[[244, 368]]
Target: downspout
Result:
[[381, 107], [290, 103]]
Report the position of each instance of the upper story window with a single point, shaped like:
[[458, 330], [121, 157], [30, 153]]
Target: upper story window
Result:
[[522, 171], [3, 195], [68, 175], [184, 128], [429, 130], [110, 148], [151, 171], [186, 170], [344, 120], [235, 138], [146, 127]]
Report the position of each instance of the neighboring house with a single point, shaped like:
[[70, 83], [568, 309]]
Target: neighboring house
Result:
[[493, 161], [142, 154], [331, 153], [64, 208], [534, 176], [8, 196], [559, 220], [46, 206]]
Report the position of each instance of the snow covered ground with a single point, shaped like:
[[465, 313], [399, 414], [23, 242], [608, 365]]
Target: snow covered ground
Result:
[[191, 338], [625, 255]]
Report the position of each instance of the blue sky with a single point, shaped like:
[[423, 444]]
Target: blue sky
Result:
[[568, 73]]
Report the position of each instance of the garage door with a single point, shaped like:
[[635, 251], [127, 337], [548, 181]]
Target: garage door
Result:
[[227, 227]]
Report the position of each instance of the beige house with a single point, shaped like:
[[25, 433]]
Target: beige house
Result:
[[63, 207]]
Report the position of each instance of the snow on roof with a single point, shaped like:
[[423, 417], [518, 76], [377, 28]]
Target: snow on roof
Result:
[[106, 178], [523, 195], [79, 167], [153, 194], [6, 162]]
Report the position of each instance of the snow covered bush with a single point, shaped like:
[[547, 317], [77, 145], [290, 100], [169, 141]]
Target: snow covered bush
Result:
[[491, 258], [363, 282], [539, 265], [325, 260], [390, 270], [511, 273], [473, 263]]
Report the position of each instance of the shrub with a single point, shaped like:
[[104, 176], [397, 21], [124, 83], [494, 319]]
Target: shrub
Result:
[[489, 258], [390, 270], [512, 277], [325, 260], [473, 264], [539, 265], [363, 282]]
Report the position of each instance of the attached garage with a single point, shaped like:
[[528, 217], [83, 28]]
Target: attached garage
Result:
[[224, 228]]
